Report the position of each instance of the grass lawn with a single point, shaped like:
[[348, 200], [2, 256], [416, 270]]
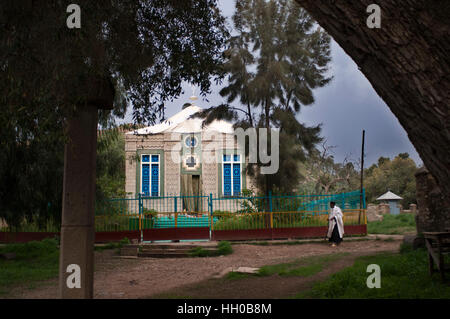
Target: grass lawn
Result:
[[393, 224], [304, 267], [34, 261], [403, 275]]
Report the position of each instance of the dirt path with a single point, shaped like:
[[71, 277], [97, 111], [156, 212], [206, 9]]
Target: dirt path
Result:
[[143, 278], [271, 287]]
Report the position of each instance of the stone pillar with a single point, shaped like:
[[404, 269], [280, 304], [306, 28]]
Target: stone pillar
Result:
[[433, 204], [77, 224], [373, 213], [383, 209]]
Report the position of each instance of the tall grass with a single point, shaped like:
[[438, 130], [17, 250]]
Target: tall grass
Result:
[[33, 225]]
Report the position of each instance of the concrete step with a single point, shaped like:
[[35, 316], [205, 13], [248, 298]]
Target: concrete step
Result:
[[163, 255], [126, 251], [157, 251], [175, 246], [174, 250], [131, 246]]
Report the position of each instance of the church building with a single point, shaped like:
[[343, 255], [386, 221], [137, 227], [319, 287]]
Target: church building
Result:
[[180, 156]]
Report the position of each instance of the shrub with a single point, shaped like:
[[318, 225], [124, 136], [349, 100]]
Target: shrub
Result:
[[223, 248]]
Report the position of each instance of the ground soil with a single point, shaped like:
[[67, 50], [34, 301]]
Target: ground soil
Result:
[[193, 277]]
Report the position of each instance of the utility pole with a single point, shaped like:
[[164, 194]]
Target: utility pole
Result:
[[361, 200]]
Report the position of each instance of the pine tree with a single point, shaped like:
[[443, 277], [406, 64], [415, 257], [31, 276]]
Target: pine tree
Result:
[[277, 56]]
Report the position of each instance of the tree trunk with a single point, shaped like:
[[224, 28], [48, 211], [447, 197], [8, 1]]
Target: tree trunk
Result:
[[407, 63]]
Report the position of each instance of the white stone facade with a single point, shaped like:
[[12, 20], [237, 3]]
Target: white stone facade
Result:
[[168, 142]]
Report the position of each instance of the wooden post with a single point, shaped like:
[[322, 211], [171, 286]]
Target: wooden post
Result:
[[76, 261], [77, 224]]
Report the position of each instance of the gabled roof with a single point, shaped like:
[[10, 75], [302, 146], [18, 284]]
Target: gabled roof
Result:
[[389, 196], [182, 123]]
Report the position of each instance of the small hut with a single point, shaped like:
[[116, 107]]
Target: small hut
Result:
[[393, 200]]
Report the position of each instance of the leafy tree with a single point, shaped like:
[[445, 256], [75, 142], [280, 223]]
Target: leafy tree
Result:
[[31, 171], [275, 60], [142, 50], [110, 164], [396, 175]]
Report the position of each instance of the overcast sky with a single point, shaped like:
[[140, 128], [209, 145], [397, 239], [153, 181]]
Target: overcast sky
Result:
[[345, 107]]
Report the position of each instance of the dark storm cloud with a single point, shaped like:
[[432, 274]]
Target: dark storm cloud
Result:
[[350, 104], [345, 107]]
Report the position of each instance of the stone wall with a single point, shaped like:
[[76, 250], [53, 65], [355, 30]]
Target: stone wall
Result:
[[412, 209], [376, 212], [434, 206]]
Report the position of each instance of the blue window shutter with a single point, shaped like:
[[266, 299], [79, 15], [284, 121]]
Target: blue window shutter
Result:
[[155, 177], [145, 178], [227, 179], [236, 179]]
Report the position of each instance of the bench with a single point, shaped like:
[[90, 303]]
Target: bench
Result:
[[438, 245]]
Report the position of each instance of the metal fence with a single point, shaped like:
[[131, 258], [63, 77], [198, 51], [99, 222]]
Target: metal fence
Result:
[[178, 217], [225, 213]]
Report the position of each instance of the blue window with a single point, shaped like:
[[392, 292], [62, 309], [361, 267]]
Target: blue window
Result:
[[227, 180], [236, 179], [145, 178], [155, 179], [231, 175], [150, 175]]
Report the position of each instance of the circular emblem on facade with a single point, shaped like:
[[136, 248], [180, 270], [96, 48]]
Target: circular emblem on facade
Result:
[[190, 141]]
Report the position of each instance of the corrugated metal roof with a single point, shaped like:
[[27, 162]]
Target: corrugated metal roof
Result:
[[182, 123], [389, 196]]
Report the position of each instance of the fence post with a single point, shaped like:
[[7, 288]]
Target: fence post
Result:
[[210, 206], [271, 213], [364, 198], [270, 201], [175, 203], [140, 209]]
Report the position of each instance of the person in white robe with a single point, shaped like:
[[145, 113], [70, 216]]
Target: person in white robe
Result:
[[335, 225]]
